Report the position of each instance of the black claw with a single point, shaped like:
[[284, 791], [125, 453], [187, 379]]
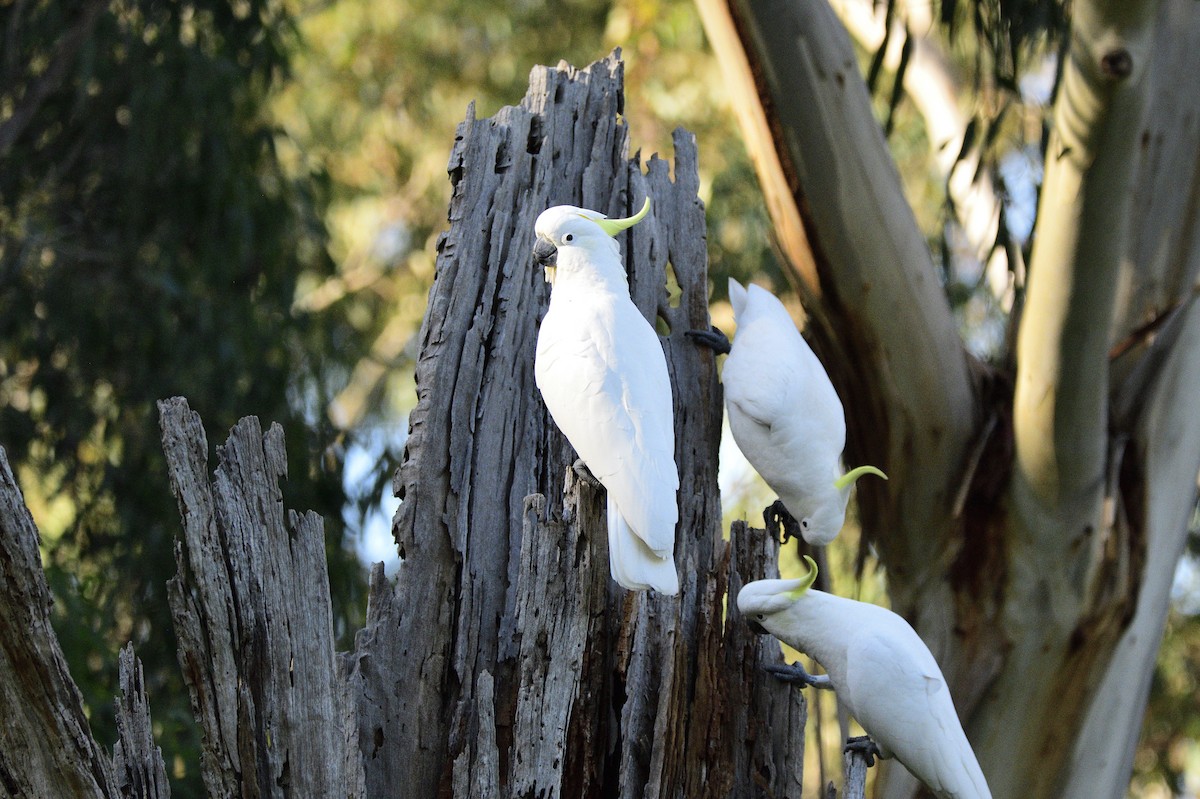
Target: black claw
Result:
[[776, 517], [714, 339], [585, 474], [864, 744]]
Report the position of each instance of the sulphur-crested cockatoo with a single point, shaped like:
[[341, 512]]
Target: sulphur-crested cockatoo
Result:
[[785, 415], [603, 376], [881, 670]]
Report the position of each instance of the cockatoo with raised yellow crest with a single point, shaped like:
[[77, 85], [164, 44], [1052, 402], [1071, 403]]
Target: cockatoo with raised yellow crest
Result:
[[603, 376], [882, 672], [784, 413]]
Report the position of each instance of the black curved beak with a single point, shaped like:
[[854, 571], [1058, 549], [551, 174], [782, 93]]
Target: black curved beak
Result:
[[756, 628], [544, 253]]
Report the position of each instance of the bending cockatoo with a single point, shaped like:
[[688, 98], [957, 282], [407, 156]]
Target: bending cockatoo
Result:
[[882, 672], [603, 376], [785, 415]]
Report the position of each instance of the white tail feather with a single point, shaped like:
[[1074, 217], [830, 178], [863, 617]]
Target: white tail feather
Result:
[[633, 564]]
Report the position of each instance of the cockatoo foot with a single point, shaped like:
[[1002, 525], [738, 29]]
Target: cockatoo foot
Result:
[[585, 474], [796, 674], [714, 339], [863, 743], [776, 517]]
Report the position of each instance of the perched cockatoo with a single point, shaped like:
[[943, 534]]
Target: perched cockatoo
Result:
[[881, 670], [786, 416], [603, 376]]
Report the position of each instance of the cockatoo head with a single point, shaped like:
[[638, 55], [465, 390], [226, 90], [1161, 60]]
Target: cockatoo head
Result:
[[822, 520], [764, 603], [565, 226]]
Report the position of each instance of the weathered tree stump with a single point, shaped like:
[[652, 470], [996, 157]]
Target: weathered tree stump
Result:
[[252, 612], [504, 661]]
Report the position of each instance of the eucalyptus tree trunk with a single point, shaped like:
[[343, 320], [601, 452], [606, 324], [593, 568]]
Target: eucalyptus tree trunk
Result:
[[1037, 507]]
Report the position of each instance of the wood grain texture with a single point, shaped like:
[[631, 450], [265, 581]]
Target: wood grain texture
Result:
[[46, 746], [251, 609], [138, 768]]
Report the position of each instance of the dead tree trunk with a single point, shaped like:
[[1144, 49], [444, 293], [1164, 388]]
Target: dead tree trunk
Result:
[[504, 661], [255, 625]]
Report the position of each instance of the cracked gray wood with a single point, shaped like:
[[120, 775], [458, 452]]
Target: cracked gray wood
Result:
[[137, 763], [251, 608], [46, 747]]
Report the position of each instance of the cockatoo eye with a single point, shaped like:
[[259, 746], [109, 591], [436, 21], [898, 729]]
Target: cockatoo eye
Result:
[[567, 239], [804, 523], [762, 616]]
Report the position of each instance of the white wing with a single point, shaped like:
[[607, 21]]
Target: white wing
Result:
[[783, 411], [896, 691], [603, 376]]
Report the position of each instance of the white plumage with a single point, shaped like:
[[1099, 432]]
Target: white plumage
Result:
[[603, 376], [786, 416], [883, 673]]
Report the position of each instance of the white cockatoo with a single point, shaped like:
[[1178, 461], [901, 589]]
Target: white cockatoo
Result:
[[882, 672], [786, 416], [603, 376]]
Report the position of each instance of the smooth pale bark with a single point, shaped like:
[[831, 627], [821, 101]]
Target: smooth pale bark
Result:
[[930, 82], [1158, 325], [1077, 496]]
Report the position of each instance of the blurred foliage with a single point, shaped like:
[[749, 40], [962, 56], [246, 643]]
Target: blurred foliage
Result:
[[151, 245]]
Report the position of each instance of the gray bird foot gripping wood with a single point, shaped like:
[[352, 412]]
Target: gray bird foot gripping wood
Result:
[[713, 338], [864, 747], [797, 675], [585, 474], [777, 517]]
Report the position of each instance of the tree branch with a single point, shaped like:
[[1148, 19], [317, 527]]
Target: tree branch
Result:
[[930, 82], [1060, 409]]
